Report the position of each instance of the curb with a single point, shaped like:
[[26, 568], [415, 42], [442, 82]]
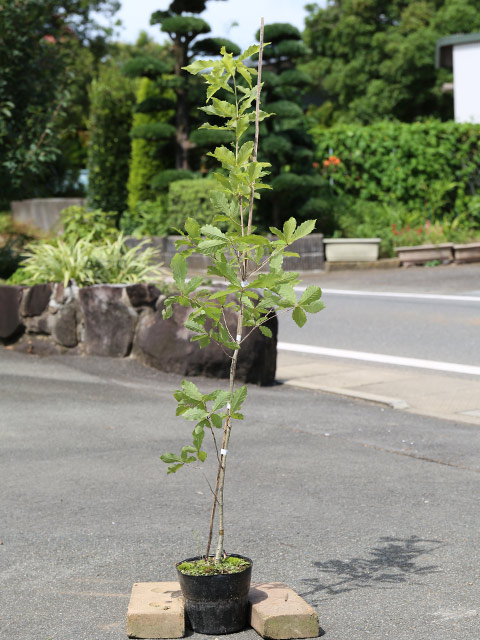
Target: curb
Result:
[[393, 403]]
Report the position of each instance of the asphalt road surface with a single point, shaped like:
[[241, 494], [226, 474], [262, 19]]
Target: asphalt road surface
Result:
[[397, 314], [371, 514]]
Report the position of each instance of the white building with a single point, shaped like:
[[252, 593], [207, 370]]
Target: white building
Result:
[[462, 54]]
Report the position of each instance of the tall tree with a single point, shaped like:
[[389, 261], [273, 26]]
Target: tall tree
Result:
[[375, 60], [184, 30], [38, 41]]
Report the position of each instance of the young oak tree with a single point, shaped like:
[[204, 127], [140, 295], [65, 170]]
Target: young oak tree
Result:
[[238, 256]]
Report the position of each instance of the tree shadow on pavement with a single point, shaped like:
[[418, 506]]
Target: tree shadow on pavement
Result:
[[393, 561]]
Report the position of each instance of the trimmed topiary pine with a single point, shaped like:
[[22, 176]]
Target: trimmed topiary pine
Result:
[[185, 152], [286, 142]]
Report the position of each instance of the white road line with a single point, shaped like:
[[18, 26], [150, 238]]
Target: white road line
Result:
[[391, 294], [434, 365]]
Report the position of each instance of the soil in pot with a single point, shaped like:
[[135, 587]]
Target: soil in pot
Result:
[[216, 600]]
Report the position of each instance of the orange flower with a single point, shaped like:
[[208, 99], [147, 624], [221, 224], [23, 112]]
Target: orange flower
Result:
[[331, 160], [315, 165]]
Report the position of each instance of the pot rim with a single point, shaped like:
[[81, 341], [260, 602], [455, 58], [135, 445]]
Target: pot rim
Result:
[[232, 555]]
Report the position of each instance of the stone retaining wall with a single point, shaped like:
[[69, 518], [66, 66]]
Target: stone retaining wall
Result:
[[121, 321]]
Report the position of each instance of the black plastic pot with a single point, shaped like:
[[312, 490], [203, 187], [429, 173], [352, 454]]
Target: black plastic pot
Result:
[[216, 604]]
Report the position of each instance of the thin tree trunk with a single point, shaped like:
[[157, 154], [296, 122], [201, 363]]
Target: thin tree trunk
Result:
[[181, 112]]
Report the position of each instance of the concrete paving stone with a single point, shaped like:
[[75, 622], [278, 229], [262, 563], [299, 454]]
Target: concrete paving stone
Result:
[[278, 612], [156, 610]]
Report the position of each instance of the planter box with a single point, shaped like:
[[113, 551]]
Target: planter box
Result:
[[351, 249], [467, 252], [425, 253], [310, 249], [43, 213]]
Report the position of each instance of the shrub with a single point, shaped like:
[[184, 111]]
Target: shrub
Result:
[[13, 238], [112, 99], [146, 161], [162, 180], [430, 166], [89, 263], [148, 218], [190, 198], [366, 219], [78, 222]]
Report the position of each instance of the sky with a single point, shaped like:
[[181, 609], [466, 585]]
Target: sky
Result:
[[135, 16]]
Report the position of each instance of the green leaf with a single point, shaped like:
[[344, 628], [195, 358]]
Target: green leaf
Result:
[[194, 326], [244, 153], [174, 468], [199, 65], [170, 457], [266, 331], [241, 126], [179, 268], [221, 400], [209, 247], [186, 450], [190, 390], [243, 71], [288, 294], [212, 232], [277, 233], [225, 156], [193, 283], [314, 307], [192, 228], [202, 456], [217, 420], [195, 413], [215, 313], [252, 50], [299, 316], [238, 399], [225, 270], [229, 63], [198, 439], [304, 229], [288, 229], [311, 294]]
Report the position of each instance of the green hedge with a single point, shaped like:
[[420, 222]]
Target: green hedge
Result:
[[146, 161], [430, 166], [112, 99], [190, 198]]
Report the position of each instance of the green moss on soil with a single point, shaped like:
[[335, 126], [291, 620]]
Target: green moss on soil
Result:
[[229, 564]]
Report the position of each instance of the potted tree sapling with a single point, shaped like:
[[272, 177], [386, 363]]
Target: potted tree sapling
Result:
[[215, 586]]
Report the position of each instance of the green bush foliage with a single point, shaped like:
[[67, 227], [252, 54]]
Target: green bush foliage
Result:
[[146, 160], [89, 263], [112, 99], [78, 222], [149, 218], [428, 167], [375, 60], [13, 238], [190, 198], [285, 139], [162, 181]]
